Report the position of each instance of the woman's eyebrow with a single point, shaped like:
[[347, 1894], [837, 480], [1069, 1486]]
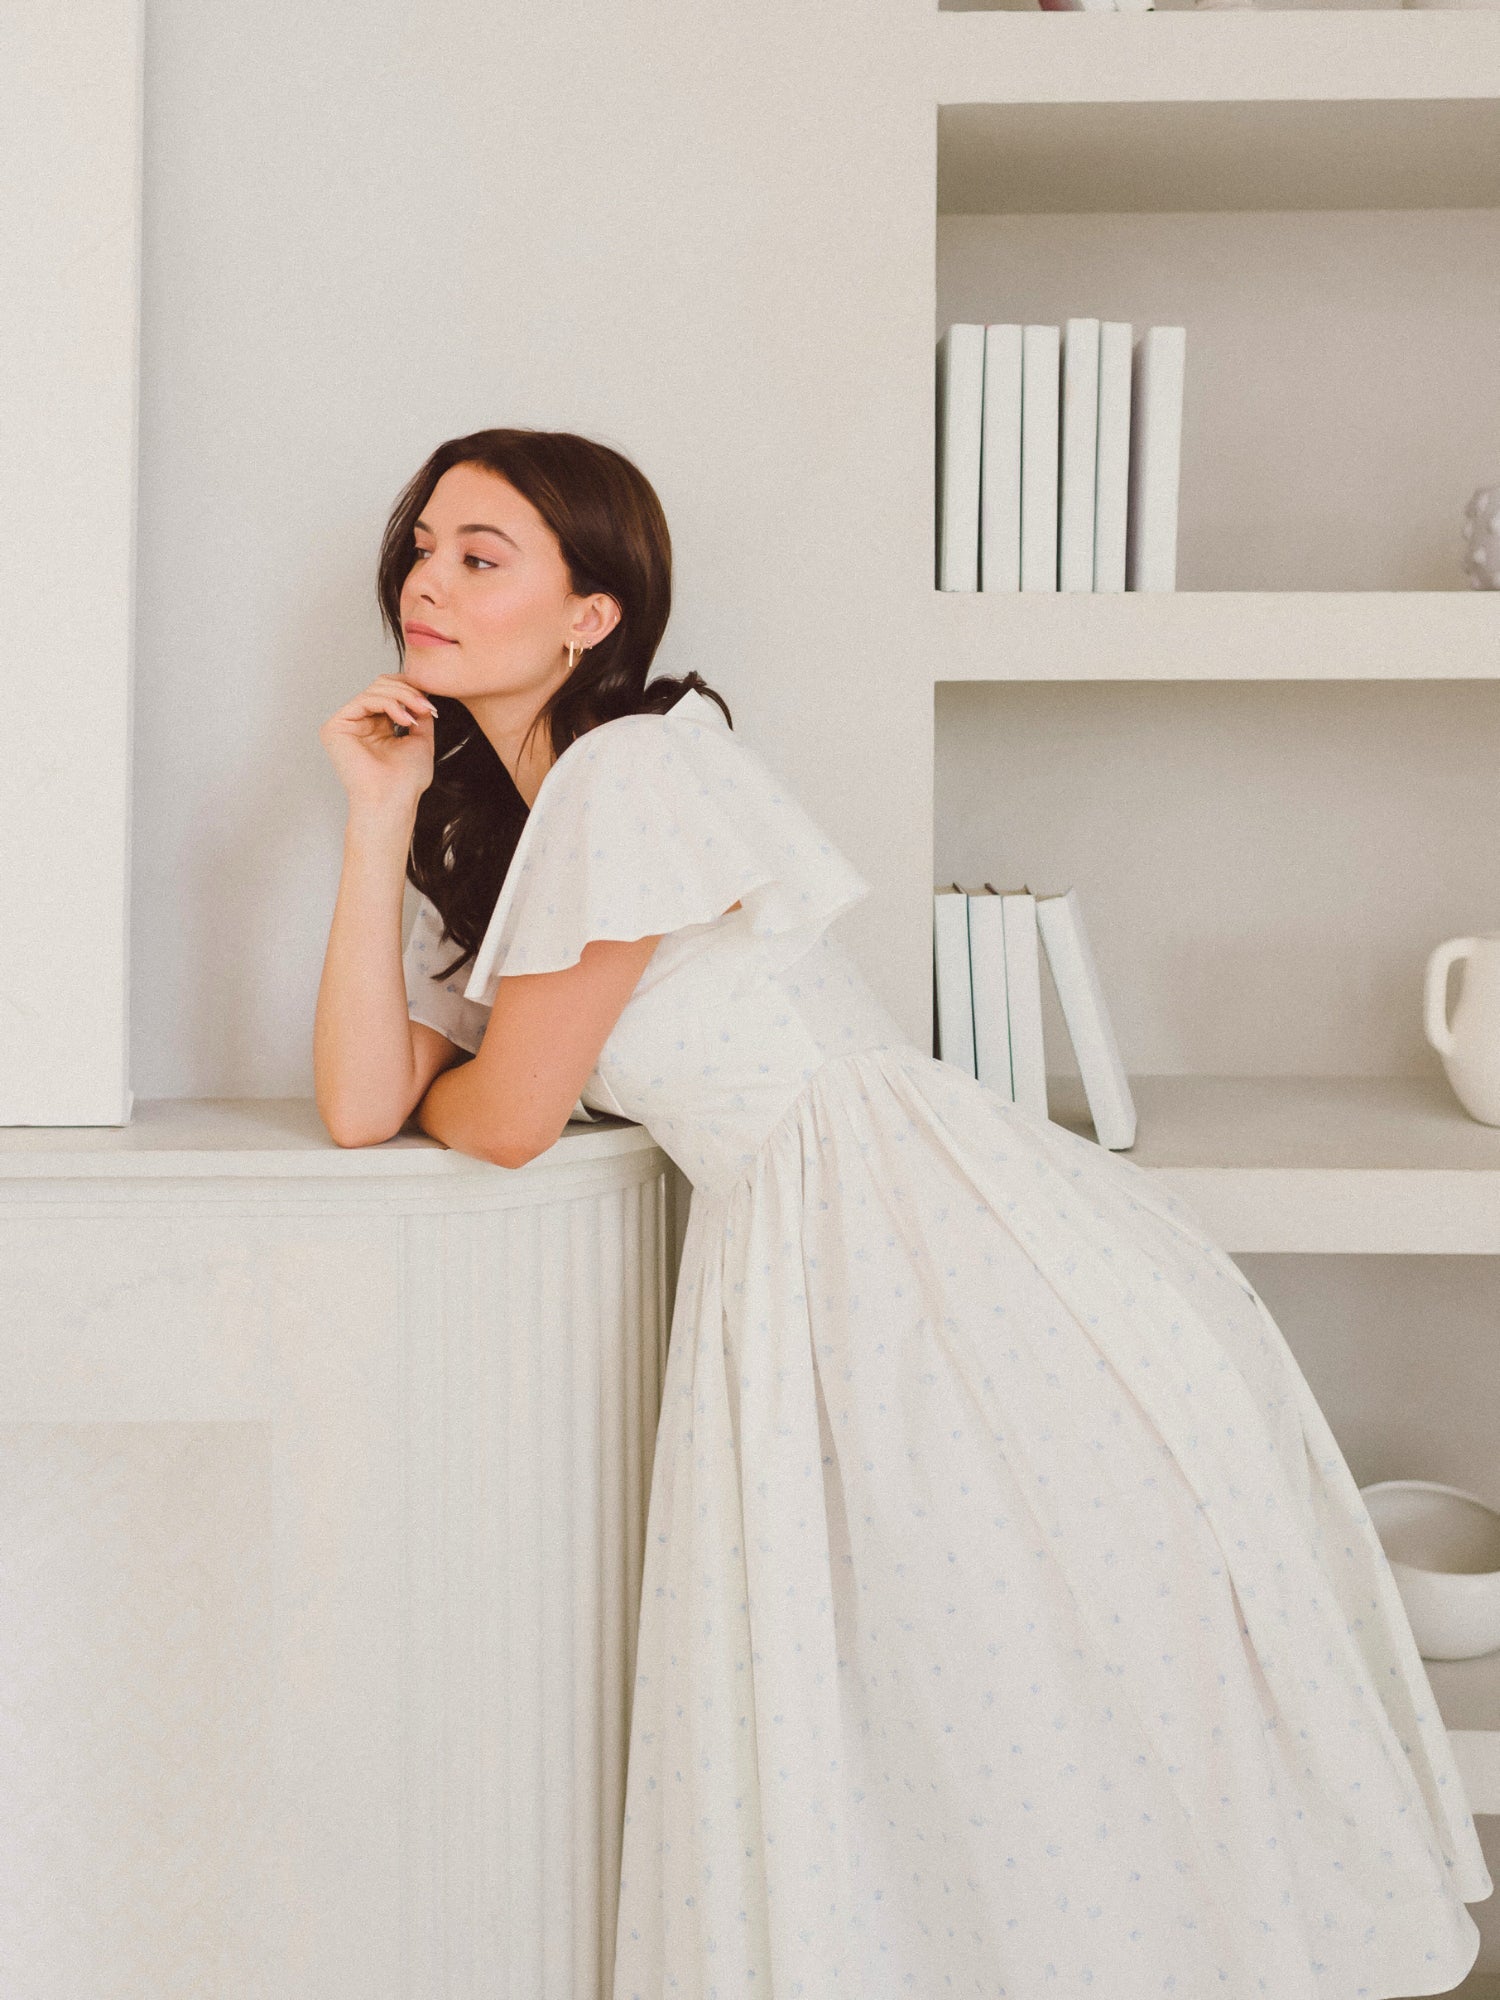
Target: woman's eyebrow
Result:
[[477, 528]]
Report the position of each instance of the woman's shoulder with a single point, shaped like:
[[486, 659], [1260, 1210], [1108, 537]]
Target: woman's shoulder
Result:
[[628, 760], [621, 737]]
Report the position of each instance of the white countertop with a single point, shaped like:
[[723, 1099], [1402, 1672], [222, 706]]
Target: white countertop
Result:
[[236, 1137]]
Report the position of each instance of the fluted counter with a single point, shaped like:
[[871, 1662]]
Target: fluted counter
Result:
[[323, 1486]]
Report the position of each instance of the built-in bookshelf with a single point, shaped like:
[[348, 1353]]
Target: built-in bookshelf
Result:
[[1265, 178]]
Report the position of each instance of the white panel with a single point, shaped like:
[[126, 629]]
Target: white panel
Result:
[[321, 1517], [70, 231], [135, 1666], [531, 1414]]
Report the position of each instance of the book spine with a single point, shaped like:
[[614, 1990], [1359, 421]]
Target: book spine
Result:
[[1080, 442], [1155, 458], [992, 1044], [1040, 356], [954, 1000], [1023, 986], [1112, 474], [1000, 461], [959, 415]]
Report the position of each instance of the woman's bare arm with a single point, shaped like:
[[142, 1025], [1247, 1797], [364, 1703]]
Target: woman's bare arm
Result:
[[541, 1044], [544, 1037], [371, 1063]]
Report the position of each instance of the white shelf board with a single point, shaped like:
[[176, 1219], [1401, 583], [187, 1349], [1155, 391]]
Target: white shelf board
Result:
[[1210, 635], [1321, 1164], [1216, 57], [1164, 112]]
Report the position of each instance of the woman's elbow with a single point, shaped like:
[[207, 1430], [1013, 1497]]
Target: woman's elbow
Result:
[[348, 1130], [351, 1141], [519, 1148], [510, 1153]]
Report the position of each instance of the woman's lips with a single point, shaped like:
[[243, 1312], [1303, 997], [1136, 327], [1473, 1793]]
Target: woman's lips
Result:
[[415, 636]]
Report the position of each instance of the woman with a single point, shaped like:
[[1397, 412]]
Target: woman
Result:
[[1011, 1622]]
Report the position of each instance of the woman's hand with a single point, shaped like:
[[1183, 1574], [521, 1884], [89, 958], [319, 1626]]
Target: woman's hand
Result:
[[376, 767]]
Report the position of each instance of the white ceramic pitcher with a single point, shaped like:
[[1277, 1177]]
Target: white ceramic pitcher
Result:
[[1470, 1044]]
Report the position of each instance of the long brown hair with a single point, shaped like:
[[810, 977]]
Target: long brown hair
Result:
[[613, 534]]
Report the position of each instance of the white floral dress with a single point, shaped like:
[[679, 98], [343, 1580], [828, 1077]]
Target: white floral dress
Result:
[[1011, 1623]]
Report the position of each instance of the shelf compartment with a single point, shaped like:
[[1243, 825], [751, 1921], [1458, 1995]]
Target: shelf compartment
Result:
[[1214, 635], [1318, 1164], [1096, 112]]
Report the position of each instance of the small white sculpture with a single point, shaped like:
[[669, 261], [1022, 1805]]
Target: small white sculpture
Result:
[[1482, 533]]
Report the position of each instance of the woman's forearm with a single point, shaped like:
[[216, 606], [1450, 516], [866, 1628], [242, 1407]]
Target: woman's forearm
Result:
[[363, 1066], [452, 1111]]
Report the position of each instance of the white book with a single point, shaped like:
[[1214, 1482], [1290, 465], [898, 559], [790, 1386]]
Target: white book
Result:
[[1040, 359], [1076, 978], [954, 1001], [1023, 990], [1112, 461], [992, 1060], [960, 410], [1000, 461], [1155, 458], [1080, 439]]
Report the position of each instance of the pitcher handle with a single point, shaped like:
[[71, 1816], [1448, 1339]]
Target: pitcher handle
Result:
[[1435, 993]]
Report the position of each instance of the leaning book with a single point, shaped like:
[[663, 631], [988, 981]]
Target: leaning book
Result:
[[1081, 996]]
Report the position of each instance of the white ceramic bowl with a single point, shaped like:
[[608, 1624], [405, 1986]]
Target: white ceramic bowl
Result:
[[1443, 1546]]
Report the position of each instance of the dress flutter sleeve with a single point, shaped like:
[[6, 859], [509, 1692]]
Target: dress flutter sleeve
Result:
[[652, 824]]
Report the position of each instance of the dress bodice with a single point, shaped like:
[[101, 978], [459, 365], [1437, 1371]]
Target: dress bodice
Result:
[[659, 823], [710, 1054]]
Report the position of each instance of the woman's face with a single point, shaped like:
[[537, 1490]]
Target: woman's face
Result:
[[489, 579]]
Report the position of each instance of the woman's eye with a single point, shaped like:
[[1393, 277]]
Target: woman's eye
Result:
[[467, 558]]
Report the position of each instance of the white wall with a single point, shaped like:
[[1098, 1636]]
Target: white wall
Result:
[[368, 228]]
